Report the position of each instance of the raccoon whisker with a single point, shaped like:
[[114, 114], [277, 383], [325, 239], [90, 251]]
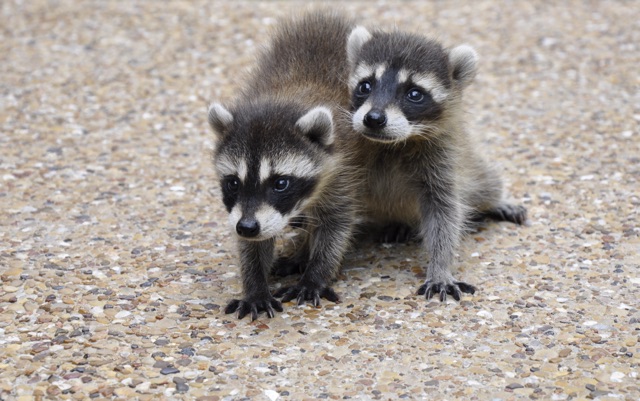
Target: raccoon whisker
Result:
[[343, 115], [311, 223], [425, 137], [292, 241], [287, 238], [307, 225], [344, 111], [306, 217], [427, 134], [302, 229], [308, 220], [423, 130]]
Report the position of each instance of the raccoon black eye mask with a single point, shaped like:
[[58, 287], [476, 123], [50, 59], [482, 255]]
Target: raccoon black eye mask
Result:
[[282, 193]]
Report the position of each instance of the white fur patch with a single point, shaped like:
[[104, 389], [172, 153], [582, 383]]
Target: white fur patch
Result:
[[403, 75], [362, 71], [357, 38], [358, 117], [398, 127], [242, 170], [234, 217], [265, 169], [226, 166], [380, 69], [432, 84], [271, 222], [296, 166]]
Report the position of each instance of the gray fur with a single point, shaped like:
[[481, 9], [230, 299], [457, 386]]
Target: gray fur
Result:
[[432, 179]]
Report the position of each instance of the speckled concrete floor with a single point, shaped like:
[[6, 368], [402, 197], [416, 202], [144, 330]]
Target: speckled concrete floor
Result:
[[115, 258]]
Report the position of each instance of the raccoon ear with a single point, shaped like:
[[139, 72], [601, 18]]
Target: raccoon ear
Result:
[[219, 119], [464, 61], [317, 125], [357, 38]]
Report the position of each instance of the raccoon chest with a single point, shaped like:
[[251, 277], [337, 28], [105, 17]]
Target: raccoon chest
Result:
[[390, 198]]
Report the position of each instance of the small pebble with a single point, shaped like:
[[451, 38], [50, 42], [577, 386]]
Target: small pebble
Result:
[[169, 370]]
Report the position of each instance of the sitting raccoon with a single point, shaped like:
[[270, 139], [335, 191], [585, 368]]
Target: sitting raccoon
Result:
[[279, 160], [423, 173]]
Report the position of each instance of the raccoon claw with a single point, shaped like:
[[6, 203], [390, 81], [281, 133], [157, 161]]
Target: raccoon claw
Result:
[[285, 266], [245, 307], [455, 289], [396, 233], [307, 293]]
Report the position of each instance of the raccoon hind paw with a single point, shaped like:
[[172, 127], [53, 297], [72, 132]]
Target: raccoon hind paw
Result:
[[429, 289], [397, 233], [506, 212]]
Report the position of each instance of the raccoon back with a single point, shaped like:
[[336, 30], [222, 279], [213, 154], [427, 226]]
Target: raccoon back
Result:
[[306, 58]]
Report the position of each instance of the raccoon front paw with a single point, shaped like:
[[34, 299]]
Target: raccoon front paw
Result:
[[307, 292], [286, 266], [455, 289], [398, 233], [243, 307]]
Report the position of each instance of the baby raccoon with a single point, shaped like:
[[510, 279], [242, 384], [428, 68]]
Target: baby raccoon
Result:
[[278, 156], [423, 173]]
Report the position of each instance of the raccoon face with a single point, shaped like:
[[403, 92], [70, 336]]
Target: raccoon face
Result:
[[389, 103], [261, 198], [402, 84], [269, 170]]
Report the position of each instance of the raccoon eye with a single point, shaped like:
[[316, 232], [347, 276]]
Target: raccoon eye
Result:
[[363, 88], [415, 95], [281, 184], [232, 183]]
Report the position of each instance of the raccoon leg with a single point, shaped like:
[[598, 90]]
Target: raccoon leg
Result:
[[442, 218], [327, 244], [256, 259], [486, 197], [297, 260]]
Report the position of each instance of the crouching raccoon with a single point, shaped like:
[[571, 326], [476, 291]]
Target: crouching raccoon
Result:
[[280, 162]]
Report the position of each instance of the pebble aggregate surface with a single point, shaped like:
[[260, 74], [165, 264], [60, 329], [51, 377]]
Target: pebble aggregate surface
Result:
[[116, 260]]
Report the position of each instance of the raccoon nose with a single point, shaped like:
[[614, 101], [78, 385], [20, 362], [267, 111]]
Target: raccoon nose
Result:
[[375, 119], [247, 228]]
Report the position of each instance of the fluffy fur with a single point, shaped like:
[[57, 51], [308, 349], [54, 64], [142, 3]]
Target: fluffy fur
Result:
[[423, 174]]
